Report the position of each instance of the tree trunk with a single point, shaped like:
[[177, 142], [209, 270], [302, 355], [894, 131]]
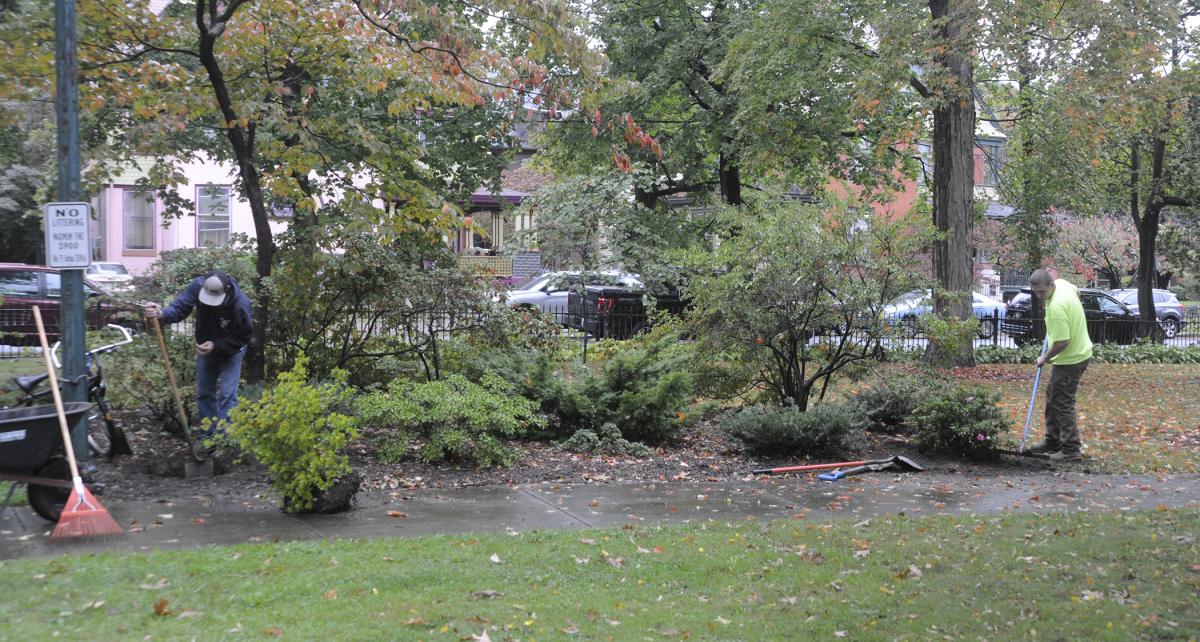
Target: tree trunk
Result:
[[953, 179], [1147, 241], [730, 177], [241, 140]]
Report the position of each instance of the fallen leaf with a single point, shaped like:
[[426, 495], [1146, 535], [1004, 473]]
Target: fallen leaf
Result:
[[197, 520], [589, 542], [396, 513], [486, 594], [189, 613], [160, 584], [862, 553], [331, 594], [274, 631], [482, 637], [160, 608], [495, 558], [839, 634]]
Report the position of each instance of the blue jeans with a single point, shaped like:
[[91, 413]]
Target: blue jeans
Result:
[[217, 377]]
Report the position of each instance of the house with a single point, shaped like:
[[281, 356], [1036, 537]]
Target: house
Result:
[[131, 227]]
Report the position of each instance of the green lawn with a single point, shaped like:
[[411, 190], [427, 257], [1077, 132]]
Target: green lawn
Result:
[[1079, 576]]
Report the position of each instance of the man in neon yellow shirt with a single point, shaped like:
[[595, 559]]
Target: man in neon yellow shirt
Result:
[[1068, 349]]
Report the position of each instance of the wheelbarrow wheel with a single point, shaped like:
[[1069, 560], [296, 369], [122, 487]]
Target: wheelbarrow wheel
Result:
[[48, 501]]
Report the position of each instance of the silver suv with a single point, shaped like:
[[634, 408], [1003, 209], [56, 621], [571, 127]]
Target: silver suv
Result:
[[1167, 308]]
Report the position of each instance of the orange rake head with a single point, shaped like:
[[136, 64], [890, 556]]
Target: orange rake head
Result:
[[83, 516]]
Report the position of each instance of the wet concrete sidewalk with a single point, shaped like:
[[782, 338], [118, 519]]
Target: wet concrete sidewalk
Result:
[[201, 520]]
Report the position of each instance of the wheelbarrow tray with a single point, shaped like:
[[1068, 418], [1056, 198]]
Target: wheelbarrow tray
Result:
[[30, 436]]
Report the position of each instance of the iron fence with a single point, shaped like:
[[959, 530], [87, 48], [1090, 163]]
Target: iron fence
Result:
[[18, 338]]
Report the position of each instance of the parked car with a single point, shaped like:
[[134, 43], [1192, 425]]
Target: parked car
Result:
[[548, 292], [24, 286], [615, 312], [112, 276], [1108, 320], [911, 305], [1167, 308]]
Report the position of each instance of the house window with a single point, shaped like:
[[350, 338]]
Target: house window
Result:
[[212, 215], [138, 215], [991, 162]]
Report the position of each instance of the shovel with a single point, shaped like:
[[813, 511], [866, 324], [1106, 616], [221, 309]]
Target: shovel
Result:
[[201, 466], [858, 470], [898, 462]]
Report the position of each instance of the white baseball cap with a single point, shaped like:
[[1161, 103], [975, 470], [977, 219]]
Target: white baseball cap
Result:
[[214, 290]]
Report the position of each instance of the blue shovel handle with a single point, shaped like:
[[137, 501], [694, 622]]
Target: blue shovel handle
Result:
[[832, 476]]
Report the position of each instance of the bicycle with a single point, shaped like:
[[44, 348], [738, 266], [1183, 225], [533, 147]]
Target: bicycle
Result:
[[105, 438]]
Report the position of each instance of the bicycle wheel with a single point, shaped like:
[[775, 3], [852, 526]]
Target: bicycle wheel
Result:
[[98, 438]]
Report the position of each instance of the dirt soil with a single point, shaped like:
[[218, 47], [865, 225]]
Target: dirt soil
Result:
[[155, 470]]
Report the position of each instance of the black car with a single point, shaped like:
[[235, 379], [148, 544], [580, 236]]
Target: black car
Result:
[[1108, 320]]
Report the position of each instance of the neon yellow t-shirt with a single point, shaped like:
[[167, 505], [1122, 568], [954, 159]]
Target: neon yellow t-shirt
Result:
[[1065, 321]]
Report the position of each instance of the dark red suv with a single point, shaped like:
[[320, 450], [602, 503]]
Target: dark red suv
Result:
[[24, 286]]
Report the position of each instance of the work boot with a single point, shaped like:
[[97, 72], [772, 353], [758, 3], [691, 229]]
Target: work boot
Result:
[[1064, 456], [1044, 448]]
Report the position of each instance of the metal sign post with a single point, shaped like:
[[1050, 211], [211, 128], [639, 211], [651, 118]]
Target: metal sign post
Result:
[[66, 109]]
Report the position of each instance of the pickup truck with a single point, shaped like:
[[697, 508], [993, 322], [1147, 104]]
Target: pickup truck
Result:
[[615, 312]]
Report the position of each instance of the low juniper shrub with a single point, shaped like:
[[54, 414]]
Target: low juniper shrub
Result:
[[456, 419], [885, 406], [826, 429], [607, 441]]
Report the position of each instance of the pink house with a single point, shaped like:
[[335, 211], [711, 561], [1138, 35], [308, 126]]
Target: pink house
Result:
[[132, 229]]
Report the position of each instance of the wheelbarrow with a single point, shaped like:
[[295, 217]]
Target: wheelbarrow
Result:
[[31, 452]]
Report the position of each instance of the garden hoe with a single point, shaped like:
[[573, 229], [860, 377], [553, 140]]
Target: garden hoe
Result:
[[898, 463], [197, 465]]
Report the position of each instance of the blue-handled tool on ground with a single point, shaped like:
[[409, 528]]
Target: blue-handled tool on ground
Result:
[[835, 475]]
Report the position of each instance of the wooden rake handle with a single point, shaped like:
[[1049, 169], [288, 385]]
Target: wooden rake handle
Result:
[[58, 402]]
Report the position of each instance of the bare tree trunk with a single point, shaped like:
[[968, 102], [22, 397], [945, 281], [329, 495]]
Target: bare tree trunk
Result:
[[953, 177]]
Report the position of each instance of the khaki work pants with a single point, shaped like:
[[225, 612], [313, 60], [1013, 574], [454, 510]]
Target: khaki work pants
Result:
[[1062, 424]]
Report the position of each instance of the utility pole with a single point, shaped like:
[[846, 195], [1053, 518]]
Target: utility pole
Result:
[[66, 109]]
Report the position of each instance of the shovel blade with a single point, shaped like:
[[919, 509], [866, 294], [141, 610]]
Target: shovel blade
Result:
[[193, 469]]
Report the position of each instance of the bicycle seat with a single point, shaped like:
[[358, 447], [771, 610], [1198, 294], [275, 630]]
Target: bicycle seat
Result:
[[30, 382]]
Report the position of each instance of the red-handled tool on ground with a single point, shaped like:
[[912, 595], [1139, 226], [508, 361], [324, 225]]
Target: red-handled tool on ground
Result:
[[899, 462]]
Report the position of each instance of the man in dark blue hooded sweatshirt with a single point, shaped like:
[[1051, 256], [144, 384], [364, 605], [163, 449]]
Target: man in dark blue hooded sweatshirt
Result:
[[223, 329]]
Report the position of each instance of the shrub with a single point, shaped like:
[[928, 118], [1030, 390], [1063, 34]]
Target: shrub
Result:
[[960, 420], [607, 442], [770, 430], [296, 430], [885, 406], [174, 269], [135, 376], [642, 388], [457, 418], [1141, 352]]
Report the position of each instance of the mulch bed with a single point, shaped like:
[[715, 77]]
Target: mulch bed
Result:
[[702, 454]]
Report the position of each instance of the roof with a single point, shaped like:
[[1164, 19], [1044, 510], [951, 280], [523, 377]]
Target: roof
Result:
[[483, 197]]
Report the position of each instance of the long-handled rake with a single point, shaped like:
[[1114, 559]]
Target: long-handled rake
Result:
[[82, 516]]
